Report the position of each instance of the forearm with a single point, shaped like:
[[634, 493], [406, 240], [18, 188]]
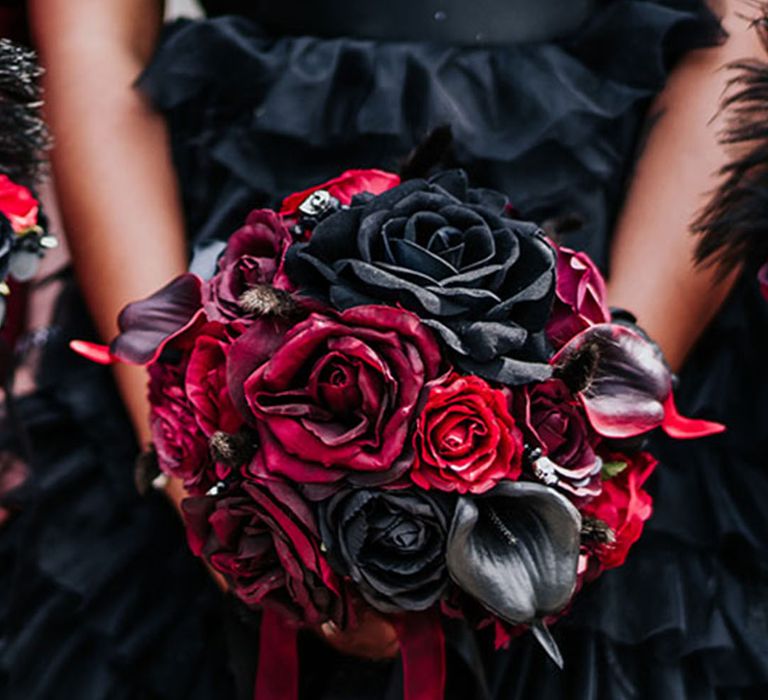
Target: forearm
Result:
[[114, 178], [651, 270]]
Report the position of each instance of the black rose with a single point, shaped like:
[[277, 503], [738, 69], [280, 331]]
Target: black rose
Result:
[[450, 254], [391, 543]]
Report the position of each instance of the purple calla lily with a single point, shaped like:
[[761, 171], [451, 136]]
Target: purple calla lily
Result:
[[629, 390]]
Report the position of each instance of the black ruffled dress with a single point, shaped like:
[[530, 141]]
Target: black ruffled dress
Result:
[[99, 597]]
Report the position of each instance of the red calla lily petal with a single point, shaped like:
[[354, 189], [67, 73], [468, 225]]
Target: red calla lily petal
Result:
[[682, 428], [95, 352]]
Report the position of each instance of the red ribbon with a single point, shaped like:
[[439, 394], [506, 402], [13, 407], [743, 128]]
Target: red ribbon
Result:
[[422, 647], [277, 676]]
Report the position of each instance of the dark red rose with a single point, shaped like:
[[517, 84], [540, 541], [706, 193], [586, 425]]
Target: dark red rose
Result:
[[558, 425], [182, 448], [264, 539], [206, 379], [253, 256], [623, 506], [580, 297], [465, 439], [337, 400], [18, 204], [344, 188]]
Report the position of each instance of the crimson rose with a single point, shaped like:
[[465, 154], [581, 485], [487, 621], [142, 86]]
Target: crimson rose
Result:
[[182, 448], [337, 400], [18, 204], [624, 506], [264, 539], [206, 379], [253, 256], [465, 439], [579, 297]]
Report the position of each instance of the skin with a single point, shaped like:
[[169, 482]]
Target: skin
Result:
[[119, 195]]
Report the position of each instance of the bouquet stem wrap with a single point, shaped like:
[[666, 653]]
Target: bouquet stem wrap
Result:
[[422, 645]]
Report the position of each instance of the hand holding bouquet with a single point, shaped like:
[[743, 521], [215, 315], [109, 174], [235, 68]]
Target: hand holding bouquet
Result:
[[397, 392]]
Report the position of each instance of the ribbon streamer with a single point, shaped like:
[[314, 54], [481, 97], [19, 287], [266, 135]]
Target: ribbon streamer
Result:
[[277, 676], [422, 647]]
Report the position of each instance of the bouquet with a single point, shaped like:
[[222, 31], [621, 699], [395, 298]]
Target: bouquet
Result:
[[23, 141], [398, 393], [23, 238]]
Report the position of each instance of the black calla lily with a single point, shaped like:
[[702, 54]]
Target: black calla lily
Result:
[[515, 549]]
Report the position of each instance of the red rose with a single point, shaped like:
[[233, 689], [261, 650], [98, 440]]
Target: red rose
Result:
[[557, 423], [253, 256], [465, 439], [344, 188], [263, 538], [18, 204], [182, 448], [206, 380], [338, 397], [623, 506], [579, 297]]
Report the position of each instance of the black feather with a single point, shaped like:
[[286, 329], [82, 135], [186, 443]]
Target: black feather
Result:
[[23, 134], [733, 227], [434, 151]]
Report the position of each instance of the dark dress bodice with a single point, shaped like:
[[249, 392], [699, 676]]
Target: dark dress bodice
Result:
[[446, 21]]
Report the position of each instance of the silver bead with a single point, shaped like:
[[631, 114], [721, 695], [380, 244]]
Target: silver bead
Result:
[[217, 489], [160, 482], [49, 242]]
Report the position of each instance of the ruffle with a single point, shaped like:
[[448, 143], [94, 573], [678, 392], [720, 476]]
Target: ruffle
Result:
[[254, 117], [671, 624], [99, 597], [722, 481]]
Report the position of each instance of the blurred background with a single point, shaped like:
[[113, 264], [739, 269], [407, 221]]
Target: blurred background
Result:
[[182, 8]]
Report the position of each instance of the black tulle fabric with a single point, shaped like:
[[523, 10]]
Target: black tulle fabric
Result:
[[99, 597]]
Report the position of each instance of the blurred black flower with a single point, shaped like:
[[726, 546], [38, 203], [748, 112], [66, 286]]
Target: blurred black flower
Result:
[[7, 237], [450, 254]]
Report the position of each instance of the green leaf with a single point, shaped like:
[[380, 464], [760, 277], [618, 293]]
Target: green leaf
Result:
[[611, 469]]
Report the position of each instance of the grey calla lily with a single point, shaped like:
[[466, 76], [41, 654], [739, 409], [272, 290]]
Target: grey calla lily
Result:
[[515, 549]]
